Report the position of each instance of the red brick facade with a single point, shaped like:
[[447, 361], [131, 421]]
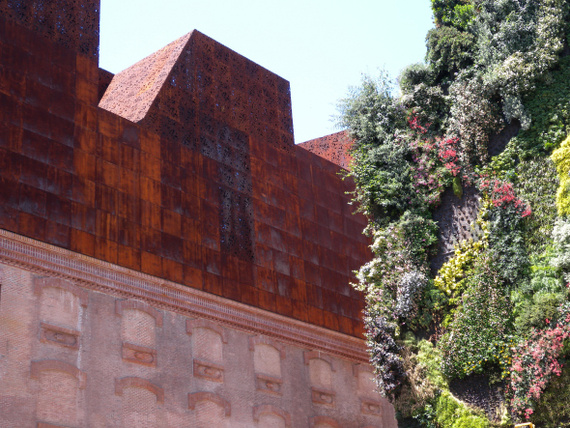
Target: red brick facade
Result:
[[85, 343]]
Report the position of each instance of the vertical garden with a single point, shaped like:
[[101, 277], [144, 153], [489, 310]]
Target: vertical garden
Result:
[[478, 336]]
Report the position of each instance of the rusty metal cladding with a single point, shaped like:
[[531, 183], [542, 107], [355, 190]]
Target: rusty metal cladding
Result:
[[132, 91], [334, 147], [182, 167], [71, 24]]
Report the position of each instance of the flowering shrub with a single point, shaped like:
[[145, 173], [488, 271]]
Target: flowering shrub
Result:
[[426, 102], [384, 353], [547, 106], [537, 181], [561, 237], [429, 176], [410, 288], [553, 407], [535, 361], [506, 239], [474, 116], [449, 154], [395, 279], [420, 233], [502, 195], [371, 113], [518, 42], [449, 50], [435, 162], [380, 277], [381, 169]]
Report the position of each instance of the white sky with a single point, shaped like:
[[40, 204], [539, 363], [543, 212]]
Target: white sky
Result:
[[321, 47]]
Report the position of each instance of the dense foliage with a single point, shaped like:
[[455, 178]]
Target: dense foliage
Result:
[[499, 305]]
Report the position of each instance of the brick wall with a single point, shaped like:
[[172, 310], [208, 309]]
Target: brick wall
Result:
[[85, 343]]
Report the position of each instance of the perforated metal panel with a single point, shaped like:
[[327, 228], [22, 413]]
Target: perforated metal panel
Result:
[[334, 147], [456, 219], [72, 24]]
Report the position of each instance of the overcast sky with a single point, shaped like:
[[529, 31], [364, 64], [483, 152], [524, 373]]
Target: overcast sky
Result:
[[321, 47]]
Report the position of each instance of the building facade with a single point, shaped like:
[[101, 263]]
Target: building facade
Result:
[[168, 255]]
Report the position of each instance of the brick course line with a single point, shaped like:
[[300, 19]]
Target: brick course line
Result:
[[93, 274]]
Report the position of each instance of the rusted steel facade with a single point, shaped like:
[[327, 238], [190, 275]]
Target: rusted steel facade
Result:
[[334, 147], [168, 256], [182, 166]]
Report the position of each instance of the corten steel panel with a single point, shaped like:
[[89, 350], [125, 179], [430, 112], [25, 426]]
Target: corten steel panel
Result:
[[206, 189], [334, 147], [72, 24]]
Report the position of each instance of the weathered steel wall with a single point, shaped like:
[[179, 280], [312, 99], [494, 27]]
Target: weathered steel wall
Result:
[[184, 169], [334, 147]]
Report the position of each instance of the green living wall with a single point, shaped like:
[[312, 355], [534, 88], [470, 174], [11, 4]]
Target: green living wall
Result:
[[488, 112]]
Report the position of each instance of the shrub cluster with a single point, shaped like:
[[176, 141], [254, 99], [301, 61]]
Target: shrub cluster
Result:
[[535, 361], [561, 237], [384, 353], [561, 158], [553, 407], [536, 181], [481, 331], [452, 275]]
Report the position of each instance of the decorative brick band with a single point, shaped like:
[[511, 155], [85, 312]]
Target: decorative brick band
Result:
[[208, 371], [269, 384], [137, 382], [323, 396], [122, 305], [209, 396], [93, 274], [46, 425], [262, 340], [323, 420], [269, 408], [312, 355], [193, 323], [53, 334], [139, 354], [41, 283], [60, 366]]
